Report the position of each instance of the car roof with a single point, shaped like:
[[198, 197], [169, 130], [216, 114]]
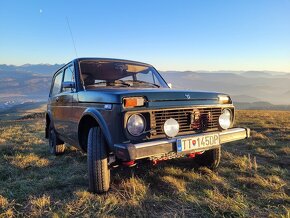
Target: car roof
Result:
[[110, 59]]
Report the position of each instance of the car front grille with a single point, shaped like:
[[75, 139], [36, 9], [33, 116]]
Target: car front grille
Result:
[[189, 119]]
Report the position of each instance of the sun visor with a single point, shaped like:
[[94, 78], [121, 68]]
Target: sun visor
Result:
[[104, 71]]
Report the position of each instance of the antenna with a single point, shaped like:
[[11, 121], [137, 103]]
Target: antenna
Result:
[[71, 36]]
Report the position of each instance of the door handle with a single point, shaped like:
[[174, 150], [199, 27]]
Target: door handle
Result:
[[57, 99]]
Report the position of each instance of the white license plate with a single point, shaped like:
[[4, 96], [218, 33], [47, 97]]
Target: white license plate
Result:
[[197, 142]]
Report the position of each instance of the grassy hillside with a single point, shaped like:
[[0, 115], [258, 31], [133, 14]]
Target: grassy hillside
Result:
[[252, 181], [22, 110]]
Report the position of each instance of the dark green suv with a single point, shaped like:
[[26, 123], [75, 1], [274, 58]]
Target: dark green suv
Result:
[[121, 111]]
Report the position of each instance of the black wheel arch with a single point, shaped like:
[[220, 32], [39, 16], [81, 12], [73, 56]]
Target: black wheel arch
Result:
[[48, 122], [90, 118]]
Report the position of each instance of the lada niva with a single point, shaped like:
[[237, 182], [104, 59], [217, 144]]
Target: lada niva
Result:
[[120, 111]]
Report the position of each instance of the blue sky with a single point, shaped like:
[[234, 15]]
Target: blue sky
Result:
[[171, 35]]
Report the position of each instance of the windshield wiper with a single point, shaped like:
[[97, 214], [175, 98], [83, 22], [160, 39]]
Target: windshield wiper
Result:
[[119, 81], [115, 83], [144, 82]]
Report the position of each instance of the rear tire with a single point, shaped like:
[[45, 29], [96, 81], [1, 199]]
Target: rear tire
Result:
[[56, 146], [97, 157], [209, 159]]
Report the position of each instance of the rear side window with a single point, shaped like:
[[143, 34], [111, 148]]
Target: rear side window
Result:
[[57, 84]]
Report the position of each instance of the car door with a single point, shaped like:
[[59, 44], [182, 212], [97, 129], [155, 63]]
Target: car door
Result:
[[54, 100], [65, 104]]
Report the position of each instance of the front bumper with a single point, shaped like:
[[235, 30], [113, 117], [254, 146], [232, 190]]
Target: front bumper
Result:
[[127, 152]]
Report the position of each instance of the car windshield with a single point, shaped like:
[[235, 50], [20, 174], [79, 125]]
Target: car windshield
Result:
[[100, 74]]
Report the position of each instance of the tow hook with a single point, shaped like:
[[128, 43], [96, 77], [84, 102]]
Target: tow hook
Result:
[[129, 163], [192, 155]]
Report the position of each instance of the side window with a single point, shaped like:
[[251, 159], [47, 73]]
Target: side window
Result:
[[57, 84], [68, 77]]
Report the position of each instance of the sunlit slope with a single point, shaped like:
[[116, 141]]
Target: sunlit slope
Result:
[[252, 181], [21, 110]]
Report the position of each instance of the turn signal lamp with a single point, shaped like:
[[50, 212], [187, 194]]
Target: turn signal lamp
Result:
[[224, 99], [133, 102]]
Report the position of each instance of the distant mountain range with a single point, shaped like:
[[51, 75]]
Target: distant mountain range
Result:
[[26, 83], [249, 89], [31, 68], [249, 86], [261, 105]]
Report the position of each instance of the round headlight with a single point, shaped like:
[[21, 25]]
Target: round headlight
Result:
[[136, 124], [225, 119], [171, 127]]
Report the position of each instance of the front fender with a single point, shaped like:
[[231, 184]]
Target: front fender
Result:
[[101, 122]]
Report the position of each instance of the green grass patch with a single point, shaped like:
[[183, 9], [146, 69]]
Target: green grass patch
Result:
[[252, 181]]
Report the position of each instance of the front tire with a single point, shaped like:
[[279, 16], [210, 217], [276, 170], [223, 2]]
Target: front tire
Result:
[[209, 159], [97, 157], [56, 146]]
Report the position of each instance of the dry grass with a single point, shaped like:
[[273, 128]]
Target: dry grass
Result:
[[252, 181]]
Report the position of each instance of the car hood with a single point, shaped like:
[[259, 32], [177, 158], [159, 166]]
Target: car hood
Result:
[[153, 96]]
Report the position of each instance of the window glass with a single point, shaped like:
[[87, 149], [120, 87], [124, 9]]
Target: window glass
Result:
[[69, 74], [57, 84], [148, 77], [68, 77], [113, 74]]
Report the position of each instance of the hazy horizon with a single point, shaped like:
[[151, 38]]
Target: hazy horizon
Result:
[[166, 70], [271, 87]]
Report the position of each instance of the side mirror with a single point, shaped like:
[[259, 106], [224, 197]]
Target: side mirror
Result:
[[68, 85], [170, 85]]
